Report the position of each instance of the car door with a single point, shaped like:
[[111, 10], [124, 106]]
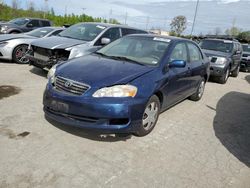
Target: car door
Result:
[[237, 55], [197, 66], [33, 24], [112, 34], [178, 83]]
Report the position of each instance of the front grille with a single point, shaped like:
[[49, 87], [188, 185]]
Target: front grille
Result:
[[213, 59], [70, 86]]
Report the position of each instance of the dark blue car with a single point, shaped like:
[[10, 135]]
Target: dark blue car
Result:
[[123, 87]]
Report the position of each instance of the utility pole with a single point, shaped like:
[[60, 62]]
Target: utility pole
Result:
[[126, 17], [196, 9], [110, 15], [147, 23]]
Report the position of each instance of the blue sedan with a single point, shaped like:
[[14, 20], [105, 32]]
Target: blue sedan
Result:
[[123, 87]]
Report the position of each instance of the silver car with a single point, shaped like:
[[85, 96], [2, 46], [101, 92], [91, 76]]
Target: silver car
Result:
[[14, 46]]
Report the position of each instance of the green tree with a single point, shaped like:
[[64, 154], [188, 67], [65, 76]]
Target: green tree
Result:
[[244, 36], [233, 31], [178, 25]]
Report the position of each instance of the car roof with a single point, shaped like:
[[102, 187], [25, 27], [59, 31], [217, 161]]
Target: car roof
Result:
[[109, 25], [33, 18], [231, 41], [161, 36]]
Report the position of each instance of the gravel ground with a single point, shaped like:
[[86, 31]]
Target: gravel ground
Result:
[[194, 144]]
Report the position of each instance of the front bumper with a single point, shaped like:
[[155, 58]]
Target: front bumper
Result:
[[6, 52], [217, 70], [106, 115], [245, 65], [40, 63]]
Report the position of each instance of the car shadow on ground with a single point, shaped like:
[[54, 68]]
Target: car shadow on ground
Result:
[[6, 61], [89, 134], [232, 124], [248, 78], [39, 72]]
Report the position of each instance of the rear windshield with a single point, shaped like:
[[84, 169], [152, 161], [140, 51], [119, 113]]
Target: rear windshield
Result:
[[246, 48], [217, 45]]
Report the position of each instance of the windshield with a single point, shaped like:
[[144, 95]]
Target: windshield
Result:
[[83, 31], [246, 48], [19, 21], [41, 32], [144, 50], [216, 45]]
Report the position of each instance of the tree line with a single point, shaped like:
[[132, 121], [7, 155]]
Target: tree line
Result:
[[179, 24], [8, 13]]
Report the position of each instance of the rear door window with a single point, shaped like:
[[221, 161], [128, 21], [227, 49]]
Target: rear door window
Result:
[[35, 23], [45, 23], [194, 53]]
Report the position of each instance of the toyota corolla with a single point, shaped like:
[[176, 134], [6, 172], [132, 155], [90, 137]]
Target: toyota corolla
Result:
[[123, 87]]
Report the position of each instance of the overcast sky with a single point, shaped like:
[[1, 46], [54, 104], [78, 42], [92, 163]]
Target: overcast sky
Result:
[[159, 13]]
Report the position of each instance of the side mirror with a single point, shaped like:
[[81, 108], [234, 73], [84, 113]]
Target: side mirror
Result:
[[29, 25], [105, 41], [177, 64]]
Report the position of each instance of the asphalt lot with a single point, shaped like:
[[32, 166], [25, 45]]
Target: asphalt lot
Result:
[[194, 144]]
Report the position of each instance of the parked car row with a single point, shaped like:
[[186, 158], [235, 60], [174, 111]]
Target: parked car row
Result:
[[118, 79]]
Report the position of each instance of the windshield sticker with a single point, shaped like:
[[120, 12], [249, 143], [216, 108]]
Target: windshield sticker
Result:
[[226, 41], [161, 39], [43, 31], [100, 27]]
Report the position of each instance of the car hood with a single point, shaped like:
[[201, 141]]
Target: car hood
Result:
[[211, 53], [98, 71], [6, 37], [56, 42]]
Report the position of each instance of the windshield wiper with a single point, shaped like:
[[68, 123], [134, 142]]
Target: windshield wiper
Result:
[[127, 59], [101, 54]]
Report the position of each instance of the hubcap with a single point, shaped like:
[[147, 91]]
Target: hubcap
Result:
[[201, 89], [20, 54], [150, 116], [227, 74]]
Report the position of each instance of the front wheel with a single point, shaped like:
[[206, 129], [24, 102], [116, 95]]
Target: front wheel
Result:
[[19, 53], [150, 116], [236, 71], [223, 79], [199, 92]]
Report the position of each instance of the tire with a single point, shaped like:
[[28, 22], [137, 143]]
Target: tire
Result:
[[235, 72], [18, 54], [199, 92], [150, 116], [223, 79], [14, 32]]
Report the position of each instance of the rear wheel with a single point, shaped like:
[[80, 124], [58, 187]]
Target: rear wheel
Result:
[[19, 52], [150, 116], [199, 92], [223, 79], [235, 73]]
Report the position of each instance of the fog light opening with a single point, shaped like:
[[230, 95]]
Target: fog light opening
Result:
[[122, 121]]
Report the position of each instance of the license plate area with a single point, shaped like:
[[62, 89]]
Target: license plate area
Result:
[[59, 106]]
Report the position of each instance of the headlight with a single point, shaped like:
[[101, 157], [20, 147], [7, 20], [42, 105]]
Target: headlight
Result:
[[74, 52], [2, 44], [221, 60], [116, 91], [4, 29], [51, 74]]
